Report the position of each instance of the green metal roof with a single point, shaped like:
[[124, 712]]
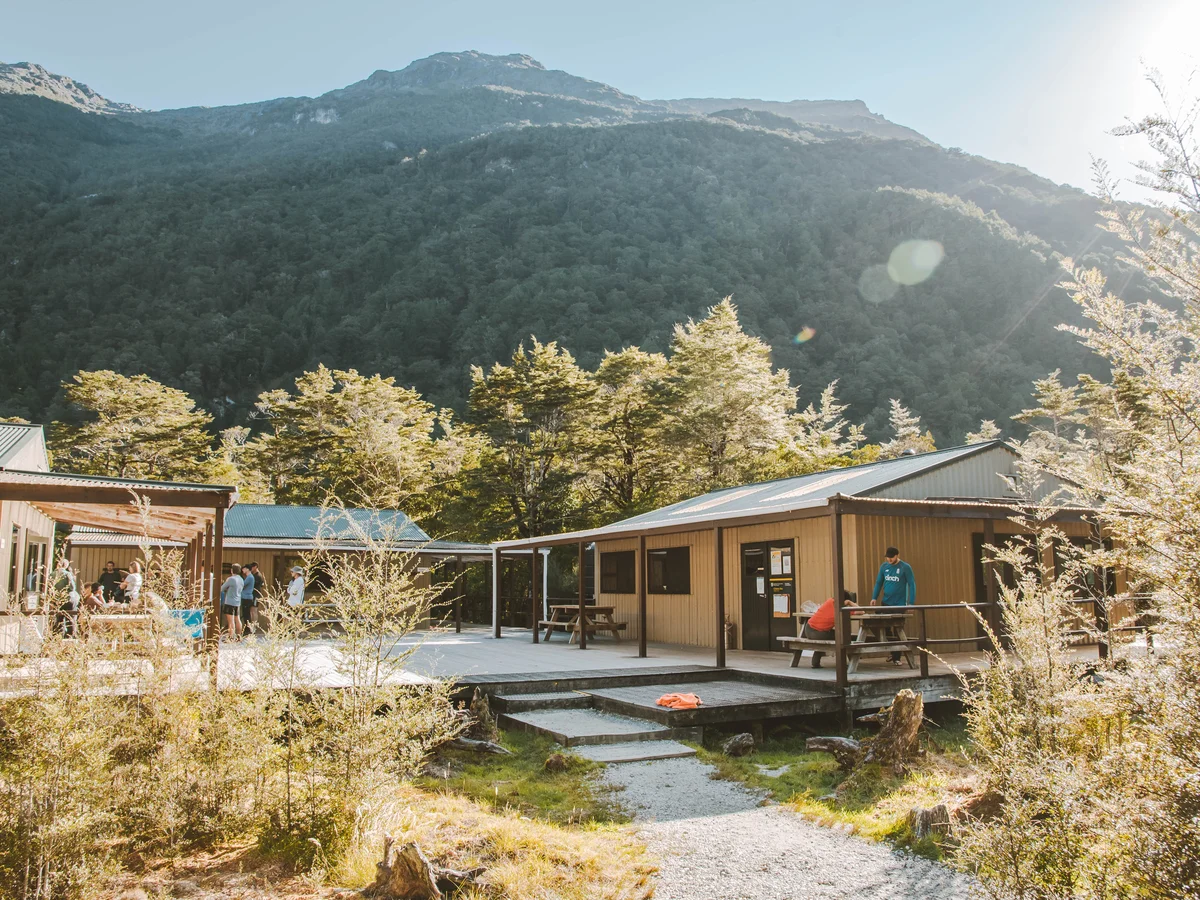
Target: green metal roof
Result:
[[261, 520]]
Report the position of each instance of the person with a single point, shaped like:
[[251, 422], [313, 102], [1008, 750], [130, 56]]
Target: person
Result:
[[821, 626], [895, 585], [131, 585], [110, 583], [231, 601], [67, 619], [295, 588], [95, 598], [249, 599]]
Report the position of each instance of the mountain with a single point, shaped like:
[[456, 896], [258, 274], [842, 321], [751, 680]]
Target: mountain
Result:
[[32, 80], [421, 221]]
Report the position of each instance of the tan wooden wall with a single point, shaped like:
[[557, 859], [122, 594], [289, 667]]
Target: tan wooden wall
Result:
[[33, 525]]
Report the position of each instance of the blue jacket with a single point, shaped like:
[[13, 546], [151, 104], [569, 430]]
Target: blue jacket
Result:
[[248, 587], [898, 584]]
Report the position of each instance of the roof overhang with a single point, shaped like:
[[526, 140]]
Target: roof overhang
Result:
[[155, 509]]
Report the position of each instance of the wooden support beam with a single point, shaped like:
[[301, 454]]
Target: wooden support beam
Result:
[[990, 588], [719, 543], [206, 592], [841, 619], [218, 560], [641, 569], [497, 584], [113, 495], [582, 611], [535, 601], [458, 594]]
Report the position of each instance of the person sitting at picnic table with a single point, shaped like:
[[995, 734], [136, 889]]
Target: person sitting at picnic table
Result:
[[295, 588], [820, 626], [896, 584], [95, 598], [231, 601], [110, 582], [132, 583]]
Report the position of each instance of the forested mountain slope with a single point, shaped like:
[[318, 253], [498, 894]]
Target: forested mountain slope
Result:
[[435, 219]]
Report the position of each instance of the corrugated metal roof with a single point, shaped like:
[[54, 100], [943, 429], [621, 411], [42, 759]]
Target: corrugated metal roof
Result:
[[18, 476], [793, 494], [14, 438], [806, 490], [260, 520]]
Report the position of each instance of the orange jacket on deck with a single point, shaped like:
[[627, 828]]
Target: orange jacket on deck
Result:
[[679, 701]]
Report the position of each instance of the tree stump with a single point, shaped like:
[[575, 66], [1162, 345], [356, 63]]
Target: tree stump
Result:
[[483, 725], [556, 762], [924, 822], [846, 751], [405, 873], [896, 744]]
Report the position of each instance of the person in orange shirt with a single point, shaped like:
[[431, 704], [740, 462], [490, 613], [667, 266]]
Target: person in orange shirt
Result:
[[820, 626]]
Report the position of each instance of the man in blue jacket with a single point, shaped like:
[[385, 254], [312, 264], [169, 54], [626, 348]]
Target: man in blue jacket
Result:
[[895, 585]]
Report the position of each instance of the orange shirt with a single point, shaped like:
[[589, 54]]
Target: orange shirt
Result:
[[822, 619]]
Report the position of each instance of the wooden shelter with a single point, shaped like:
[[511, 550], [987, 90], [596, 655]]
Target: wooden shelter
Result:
[[736, 566]]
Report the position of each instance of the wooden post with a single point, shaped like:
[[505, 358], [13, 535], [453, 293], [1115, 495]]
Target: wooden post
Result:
[[458, 594], [989, 583], [841, 615], [641, 567], [582, 610], [922, 637], [719, 544], [497, 583], [535, 604], [218, 555], [206, 587]]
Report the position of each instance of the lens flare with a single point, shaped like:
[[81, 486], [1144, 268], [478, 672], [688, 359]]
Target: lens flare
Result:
[[876, 286], [807, 333], [914, 261]]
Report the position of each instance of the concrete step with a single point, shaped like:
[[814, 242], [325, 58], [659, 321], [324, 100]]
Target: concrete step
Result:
[[580, 727], [545, 700], [635, 751]]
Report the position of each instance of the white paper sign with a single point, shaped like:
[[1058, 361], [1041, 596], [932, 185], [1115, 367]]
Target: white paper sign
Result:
[[776, 562], [787, 564], [762, 585], [782, 606]]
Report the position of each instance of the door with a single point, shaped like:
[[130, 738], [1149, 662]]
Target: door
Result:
[[768, 594]]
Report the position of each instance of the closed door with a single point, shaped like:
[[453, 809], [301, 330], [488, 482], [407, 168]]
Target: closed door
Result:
[[768, 594]]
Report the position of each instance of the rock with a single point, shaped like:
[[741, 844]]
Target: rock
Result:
[[556, 762], [739, 745], [981, 807], [924, 822], [185, 888], [462, 743], [846, 751], [896, 744], [133, 894]]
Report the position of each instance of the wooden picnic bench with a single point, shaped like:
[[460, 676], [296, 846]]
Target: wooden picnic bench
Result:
[[565, 617], [870, 640]]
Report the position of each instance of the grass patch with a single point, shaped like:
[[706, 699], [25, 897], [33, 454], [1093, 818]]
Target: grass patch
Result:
[[521, 783], [878, 804]]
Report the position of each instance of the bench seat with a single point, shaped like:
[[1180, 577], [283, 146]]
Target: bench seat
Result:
[[799, 644]]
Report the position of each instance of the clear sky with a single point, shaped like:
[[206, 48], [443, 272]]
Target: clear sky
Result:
[[1035, 83]]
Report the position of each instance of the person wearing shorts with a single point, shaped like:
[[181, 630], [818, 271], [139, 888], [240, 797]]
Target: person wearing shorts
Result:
[[231, 602], [249, 598]]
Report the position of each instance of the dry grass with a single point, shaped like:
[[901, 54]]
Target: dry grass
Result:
[[525, 858]]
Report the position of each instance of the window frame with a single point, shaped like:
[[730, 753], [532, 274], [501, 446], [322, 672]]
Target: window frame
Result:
[[681, 570], [618, 557]]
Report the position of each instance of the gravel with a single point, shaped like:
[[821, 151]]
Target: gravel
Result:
[[717, 841]]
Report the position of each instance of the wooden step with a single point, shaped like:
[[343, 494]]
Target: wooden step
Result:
[[543, 700], [635, 751]]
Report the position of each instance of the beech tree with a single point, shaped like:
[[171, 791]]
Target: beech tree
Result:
[[906, 433], [362, 440], [988, 431], [532, 417], [729, 405], [132, 427], [821, 437]]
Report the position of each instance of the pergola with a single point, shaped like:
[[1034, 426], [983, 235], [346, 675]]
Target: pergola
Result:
[[190, 514]]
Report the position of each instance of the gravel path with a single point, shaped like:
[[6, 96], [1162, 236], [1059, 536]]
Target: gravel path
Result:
[[717, 842]]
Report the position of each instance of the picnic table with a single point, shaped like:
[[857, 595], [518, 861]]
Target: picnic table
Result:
[[871, 639], [120, 627], [565, 617]]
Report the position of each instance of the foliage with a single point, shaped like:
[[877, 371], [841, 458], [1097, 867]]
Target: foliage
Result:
[[533, 416], [360, 440], [988, 431], [907, 436], [1097, 762], [228, 262], [520, 782], [132, 427]]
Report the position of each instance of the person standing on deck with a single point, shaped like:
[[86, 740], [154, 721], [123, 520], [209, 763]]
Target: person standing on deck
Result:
[[295, 588], [249, 599], [895, 585], [231, 602]]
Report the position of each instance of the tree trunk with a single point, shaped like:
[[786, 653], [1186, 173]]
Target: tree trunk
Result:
[[404, 874], [896, 744], [846, 751]]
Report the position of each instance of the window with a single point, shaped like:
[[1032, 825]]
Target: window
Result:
[[617, 572], [669, 571]]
